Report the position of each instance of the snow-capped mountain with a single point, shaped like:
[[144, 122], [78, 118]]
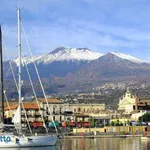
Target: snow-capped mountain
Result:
[[59, 62], [120, 58], [70, 69], [63, 54], [109, 67], [128, 57]]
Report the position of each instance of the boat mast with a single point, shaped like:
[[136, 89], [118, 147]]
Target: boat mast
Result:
[[19, 82], [1, 78]]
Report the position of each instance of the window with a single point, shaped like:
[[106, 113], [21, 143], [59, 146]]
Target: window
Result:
[[60, 110], [54, 118], [53, 110], [79, 109]]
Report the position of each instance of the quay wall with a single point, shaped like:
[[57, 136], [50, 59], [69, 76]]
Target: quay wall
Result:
[[115, 129]]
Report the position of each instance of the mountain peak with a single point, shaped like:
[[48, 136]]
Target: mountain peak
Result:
[[83, 49], [58, 49], [120, 57], [128, 57], [63, 49], [64, 54], [67, 54]]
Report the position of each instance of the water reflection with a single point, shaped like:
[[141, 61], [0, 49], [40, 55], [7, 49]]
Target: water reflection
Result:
[[105, 144], [146, 145], [97, 144], [34, 148]]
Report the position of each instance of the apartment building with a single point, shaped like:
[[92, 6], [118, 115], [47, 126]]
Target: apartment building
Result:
[[31, 110]]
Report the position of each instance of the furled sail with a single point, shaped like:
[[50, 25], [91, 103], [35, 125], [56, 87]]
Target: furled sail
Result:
[[16, 119]]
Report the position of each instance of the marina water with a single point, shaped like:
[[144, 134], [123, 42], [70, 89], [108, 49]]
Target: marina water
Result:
[[98, 144]]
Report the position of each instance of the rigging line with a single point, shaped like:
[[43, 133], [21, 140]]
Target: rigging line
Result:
[[23, 110], [10, 64], [34, 93], [8, 105], [39, 77], [30, 82], [27, 119], [6, 100], [16, 85]]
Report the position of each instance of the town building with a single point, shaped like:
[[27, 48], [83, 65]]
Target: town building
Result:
[[127, 102], [133, 105], [143, 104], [53, 108], [82, 112], [31, 110], [86, 108]]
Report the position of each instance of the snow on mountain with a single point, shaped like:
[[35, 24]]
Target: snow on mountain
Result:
[[128, 57], [63, 54]]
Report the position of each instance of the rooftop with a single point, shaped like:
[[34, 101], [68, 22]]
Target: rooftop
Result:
[[50, 100], [26, 106], [145, 100]]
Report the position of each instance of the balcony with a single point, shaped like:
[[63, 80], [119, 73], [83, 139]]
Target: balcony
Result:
[[37, 114]]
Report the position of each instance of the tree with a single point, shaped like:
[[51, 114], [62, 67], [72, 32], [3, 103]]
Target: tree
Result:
[[145, 118], [128, 122], [117, 123], [92, 122], [46, 120], [112, 123]]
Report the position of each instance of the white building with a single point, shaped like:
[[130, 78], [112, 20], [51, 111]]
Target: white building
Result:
[[127, 102], [55, 109]]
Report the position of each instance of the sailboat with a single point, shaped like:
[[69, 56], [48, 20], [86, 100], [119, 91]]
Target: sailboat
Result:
[[19, 141]]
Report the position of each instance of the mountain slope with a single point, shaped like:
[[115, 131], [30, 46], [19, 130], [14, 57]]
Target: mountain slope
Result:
[[64, 71], [127, 57], [59, 62], [109, 67]]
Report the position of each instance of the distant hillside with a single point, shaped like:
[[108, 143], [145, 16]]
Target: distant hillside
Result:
[[107, 68]]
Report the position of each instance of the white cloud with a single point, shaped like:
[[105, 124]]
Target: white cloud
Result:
[[103, 25]]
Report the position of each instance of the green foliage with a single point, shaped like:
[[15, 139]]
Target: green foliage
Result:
[[112, 123], [68, 123], [140, 122], [128, 122], [145, 118], [46, 119], [92, 122], [117, 123], [121, 124], [122, 132]]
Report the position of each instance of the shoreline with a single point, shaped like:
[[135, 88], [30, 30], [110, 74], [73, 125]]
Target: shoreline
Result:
[[100, 136]]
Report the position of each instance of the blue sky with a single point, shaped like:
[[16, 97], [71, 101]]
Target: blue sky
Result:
[[101, 25]]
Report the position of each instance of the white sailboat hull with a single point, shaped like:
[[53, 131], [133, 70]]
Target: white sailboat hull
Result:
[[32, 141]]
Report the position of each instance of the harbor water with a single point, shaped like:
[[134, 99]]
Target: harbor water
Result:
[[128, 143]]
